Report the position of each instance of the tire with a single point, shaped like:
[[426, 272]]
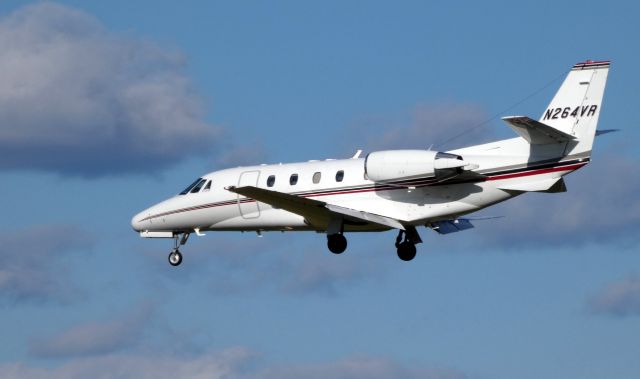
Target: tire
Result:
[[406, 251], [337, 243], [175, 258]]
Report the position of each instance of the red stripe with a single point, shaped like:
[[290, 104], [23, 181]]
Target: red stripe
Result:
[[537, 172]]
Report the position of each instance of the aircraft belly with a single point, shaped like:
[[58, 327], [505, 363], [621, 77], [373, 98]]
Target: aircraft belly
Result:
[[271, 219]]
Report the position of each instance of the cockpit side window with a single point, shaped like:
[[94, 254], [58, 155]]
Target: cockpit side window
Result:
[[198, 186], [186, 190], [207, 187]]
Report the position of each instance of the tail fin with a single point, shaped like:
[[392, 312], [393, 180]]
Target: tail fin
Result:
[[575, 108]]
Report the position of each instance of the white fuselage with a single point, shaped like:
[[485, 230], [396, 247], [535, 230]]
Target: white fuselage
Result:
[[418, 204]]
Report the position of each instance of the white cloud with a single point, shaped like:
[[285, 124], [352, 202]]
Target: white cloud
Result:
[[355, 368], [326, 274], [96, 337], [78, 99], [600, 206], [206, 366], [233, 363], [426, 125], [620, 298], [31, 269]]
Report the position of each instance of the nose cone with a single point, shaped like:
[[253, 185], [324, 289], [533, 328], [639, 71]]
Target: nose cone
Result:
[[136, 222]]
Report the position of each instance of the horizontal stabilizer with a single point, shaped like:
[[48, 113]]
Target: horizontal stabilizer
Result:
[[451, 226], [535, 132], [544, 185]]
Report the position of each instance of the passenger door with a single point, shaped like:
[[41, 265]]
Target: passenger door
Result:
[[248, 208]]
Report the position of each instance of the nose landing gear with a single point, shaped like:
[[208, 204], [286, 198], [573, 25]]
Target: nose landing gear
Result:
[[175, 256]]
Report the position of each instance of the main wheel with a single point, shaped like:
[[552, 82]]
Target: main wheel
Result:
[[337, 243], [175, 258], [406, 251]]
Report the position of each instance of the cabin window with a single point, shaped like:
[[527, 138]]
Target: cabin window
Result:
[[271, 180], [293, 180], [186, 190], [339, 175], [198, 186], [316, 177], [207, 187]]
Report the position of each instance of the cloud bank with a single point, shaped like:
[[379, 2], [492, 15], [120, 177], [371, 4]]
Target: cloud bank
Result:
[[620, 298], [77, 99], [31, 269], [232, 363], [598, 207], [443, 126], [96, 337]]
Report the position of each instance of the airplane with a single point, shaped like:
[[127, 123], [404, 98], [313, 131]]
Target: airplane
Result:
[[392, 189]]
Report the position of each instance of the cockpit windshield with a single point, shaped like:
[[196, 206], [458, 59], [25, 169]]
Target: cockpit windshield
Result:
[[192, 185], [198, 186]]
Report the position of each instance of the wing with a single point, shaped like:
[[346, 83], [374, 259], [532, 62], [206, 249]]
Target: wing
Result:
[[318, 213]]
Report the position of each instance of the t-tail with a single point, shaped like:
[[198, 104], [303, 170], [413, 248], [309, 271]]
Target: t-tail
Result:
[[572, 116], [576, 106]]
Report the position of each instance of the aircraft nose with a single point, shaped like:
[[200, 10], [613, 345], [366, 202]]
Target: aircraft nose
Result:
[[137, 223]]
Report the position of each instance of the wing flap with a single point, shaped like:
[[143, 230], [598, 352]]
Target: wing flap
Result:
[[535, 132], [370, 217]]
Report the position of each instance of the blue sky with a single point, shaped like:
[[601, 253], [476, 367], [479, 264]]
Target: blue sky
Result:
[[109, 107]]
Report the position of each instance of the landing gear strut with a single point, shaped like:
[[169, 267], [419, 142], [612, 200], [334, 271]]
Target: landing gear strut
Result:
[[406, 248], [175, 256]]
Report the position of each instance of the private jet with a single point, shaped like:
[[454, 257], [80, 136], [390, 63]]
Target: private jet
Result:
[[392, 189]]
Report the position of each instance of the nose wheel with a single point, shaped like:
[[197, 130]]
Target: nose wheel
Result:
[[175, 257]]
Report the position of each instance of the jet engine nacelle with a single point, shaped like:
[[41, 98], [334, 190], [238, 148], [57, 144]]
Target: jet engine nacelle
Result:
[[393, 165]]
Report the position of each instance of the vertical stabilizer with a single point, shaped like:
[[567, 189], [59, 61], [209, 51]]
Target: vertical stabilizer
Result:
[[575, 108]]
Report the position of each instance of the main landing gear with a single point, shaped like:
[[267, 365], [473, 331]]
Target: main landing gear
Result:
[[405, 242], [406, 248], [175, 256], [337, 243]]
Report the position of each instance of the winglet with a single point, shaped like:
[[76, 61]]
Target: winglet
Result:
[[606, 131]]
